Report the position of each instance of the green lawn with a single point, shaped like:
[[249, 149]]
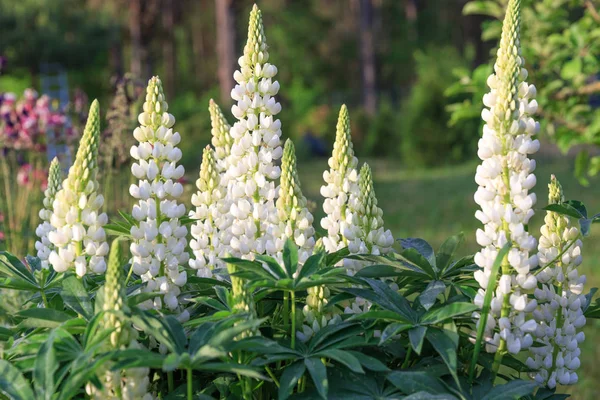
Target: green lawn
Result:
[[435, 204]]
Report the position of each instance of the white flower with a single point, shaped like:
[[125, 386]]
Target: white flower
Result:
[[77, 231], [295, 221], [560, 300], [251, 169], [341, 182], [505, 177], [211, 210], [364, 220], [43, 246], [159, 239]]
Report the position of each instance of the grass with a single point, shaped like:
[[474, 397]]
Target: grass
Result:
[[438, 203]]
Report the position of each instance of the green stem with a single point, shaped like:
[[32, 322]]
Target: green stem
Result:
[[485, 310], [129, 274], [44, 298], [293, 294], [285, 313], [272, 375], [407, 357], [504, 313], [170, 384], [189, 384]]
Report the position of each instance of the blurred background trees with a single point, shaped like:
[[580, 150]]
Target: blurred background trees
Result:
[[396, 63]]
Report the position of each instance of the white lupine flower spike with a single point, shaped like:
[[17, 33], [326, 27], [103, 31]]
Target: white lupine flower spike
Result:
[[43, 246], [221, 139], [159, 240], [296, 222], [560, 299], [251, 171], [210, 210], [365, 232], [505, 178], [77, 224], [341, 181]]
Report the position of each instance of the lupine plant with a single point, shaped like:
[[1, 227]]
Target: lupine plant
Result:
[[259, 307]]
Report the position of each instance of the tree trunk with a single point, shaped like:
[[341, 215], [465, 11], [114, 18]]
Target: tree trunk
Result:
[[168, 47], [367, 52], [410, 13], [135, 33], [225, 46]]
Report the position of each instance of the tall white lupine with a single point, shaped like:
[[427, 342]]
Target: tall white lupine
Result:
[[43, 246], [560, 299], [133, 383], [341, 182], [221, 139], [505, 177], [209, 214], [78, 234], [251, 171], [294, 218], [365, 233], [159, 239]]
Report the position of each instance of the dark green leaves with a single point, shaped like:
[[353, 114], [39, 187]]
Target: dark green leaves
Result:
[[76, 297], [44, 370], [12, 382]]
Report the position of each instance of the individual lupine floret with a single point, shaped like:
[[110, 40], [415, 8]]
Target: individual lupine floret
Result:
[[365, 232], [242, 300], [221, 139], [560, 299], [133, 383], [341, 182], [78, 234], [159, 239], [209, 214], [505, 178], [251, 171], [43, 246], [294, 218]]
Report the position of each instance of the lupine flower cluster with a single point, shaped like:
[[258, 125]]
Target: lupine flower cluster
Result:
[[26, 124], [210, 212], [341, 181], [365, 233], [133, 383], [159, 238], [294, 218], [505, 178], [251, 170], [77, 232], [43, 245], [560, 299]]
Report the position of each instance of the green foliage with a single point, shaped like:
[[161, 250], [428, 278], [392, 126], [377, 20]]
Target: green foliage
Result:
[[560, 45], [426, 138]]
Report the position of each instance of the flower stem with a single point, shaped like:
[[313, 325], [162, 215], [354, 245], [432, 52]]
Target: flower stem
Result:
[[189, 384], [272, 375], [170, 381], [293, 295]]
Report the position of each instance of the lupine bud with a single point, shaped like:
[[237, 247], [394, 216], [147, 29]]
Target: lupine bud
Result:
[[341, 182], [158, 258], [504, 178], [210, 211], [221, 139], [251, 169], [559, 307], [76, 219], [133, 383], [43, 246], [242, 300], [295, 221]]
